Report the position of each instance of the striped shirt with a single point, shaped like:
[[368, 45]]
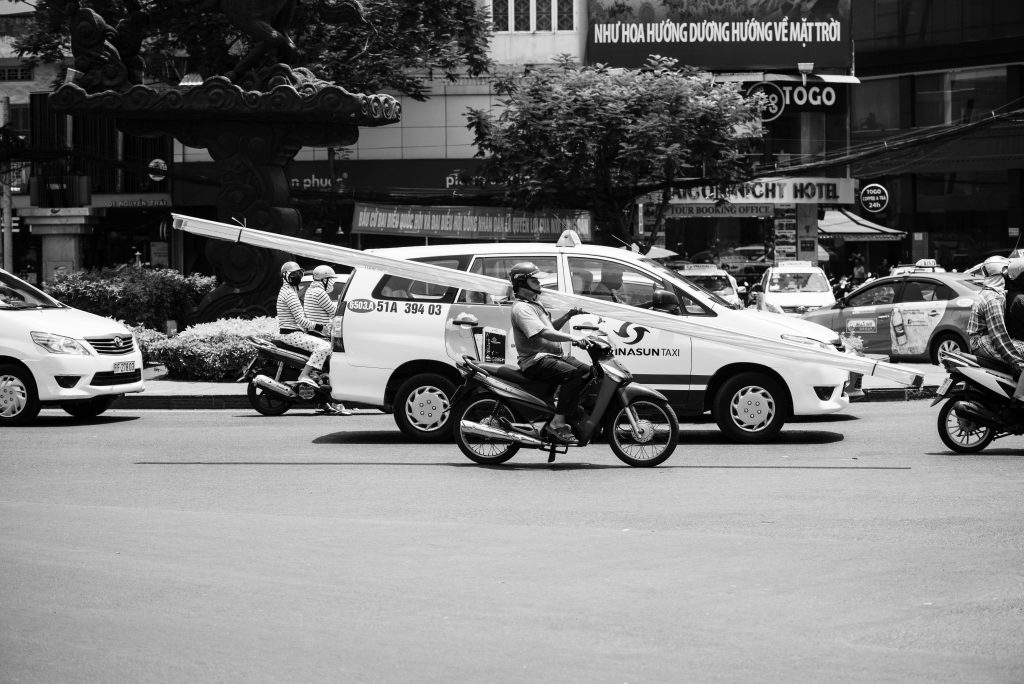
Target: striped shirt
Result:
[[318, 305], [290, 316]]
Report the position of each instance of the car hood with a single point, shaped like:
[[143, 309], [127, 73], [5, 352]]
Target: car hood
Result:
[[68, 322], [768, 324]]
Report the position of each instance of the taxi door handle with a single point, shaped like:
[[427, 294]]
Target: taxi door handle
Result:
[[585, 327], [883, 317]]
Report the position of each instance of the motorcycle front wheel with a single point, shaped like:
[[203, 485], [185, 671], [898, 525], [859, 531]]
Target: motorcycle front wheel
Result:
[[960, 433], [653, 439], [488, 411], [266, 403]]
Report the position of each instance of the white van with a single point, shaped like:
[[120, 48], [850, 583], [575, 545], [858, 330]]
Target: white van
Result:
[[795, 287], [52, 354], [390, 340]]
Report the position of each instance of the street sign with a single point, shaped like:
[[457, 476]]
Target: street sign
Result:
[[874, 198], [157, 167]]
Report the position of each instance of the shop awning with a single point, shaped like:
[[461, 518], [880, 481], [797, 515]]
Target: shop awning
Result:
[[852, 228]]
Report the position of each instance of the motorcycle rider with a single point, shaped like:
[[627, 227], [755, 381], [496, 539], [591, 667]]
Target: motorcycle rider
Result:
[[539, 341], [1015, 314], [986, 329], [319, 308], [294, 325]]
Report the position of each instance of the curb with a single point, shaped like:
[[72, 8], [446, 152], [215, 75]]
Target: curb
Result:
[[240, 401]]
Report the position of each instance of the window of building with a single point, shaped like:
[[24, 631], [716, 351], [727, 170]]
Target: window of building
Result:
[[526, 16], [15, 72], [958, 96], [875, 105]]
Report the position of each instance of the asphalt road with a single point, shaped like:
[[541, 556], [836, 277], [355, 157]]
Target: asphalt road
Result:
[[220, 546]]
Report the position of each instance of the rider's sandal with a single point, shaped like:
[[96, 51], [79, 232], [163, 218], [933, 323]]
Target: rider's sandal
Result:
[[561, 434]]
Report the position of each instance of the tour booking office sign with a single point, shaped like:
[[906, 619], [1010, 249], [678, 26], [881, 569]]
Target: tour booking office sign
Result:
[[736, 35]]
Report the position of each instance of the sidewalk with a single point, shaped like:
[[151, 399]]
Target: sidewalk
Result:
[[162, 393]]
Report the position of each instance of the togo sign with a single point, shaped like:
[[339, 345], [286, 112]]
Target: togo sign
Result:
[[795, 96], [874, 197]]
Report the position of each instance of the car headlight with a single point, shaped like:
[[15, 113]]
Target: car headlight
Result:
[[58, 344], [809, 341]]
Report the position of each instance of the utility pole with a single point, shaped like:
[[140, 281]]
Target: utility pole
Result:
[[6, 205]]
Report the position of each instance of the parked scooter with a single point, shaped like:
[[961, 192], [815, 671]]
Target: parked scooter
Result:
[[498, 410], [978, 408], [271, 376]]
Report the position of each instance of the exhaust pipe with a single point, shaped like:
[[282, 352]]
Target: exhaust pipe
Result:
[[274, 386], [481, 430], [972, 410]]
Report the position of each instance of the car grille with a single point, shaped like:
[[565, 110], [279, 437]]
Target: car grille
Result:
[[115, 345], [108, 378]]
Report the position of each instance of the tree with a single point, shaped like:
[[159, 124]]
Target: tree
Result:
[[406, 43], [597, 138]]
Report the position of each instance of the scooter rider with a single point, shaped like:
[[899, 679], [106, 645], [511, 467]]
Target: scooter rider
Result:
[[294, 325], [539, 341], [986, 329], [319, 308]]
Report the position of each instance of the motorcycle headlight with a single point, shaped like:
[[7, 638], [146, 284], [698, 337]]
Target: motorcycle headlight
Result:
[[809, 341], [58, 344]]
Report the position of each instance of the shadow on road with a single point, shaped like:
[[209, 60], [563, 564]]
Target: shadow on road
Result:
[[367, 437], [64, 420], [785, 437]]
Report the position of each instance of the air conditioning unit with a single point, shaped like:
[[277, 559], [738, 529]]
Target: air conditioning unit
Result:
[[60, 191]]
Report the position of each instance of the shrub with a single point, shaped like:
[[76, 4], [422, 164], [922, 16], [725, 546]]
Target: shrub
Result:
[[142, 296], [215, 352], [148, 340]]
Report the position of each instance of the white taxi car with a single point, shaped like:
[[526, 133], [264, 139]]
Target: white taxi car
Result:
[[795, 287], [391, 339], [714, 280], [52, 354]]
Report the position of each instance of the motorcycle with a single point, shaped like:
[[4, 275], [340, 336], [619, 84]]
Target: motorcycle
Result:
[[978, 393], [275, 365], [498, 411]]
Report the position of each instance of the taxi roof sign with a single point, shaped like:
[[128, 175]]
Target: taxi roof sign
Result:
[[795, 264], [698, 267], [569, 238]]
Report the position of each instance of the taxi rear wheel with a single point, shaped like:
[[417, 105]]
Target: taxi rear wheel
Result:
[[422, 407], [947, 343], [19, 399], [750, 408]]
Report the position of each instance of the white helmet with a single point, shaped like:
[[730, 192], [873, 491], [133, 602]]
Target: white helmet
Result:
[[323, 272], [994, 265], [291, 272]]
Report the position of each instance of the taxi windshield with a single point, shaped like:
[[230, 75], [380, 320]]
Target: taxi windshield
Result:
[[719, 284], [798, 281], [17, 294]]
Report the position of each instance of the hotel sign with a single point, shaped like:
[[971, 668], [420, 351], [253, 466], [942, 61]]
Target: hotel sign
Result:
[[769, 191]]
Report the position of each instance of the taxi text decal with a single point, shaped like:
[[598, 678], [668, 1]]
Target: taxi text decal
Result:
[[630, 350], [369, 305]]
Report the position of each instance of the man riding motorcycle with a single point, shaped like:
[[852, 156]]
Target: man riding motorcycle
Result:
[[319, 308], [294, 325], [539, 341], [986, 328]]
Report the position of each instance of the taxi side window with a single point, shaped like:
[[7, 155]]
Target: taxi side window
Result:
[[405, 289], [498, 267], [920, 291], [616, 282], [874, 296]]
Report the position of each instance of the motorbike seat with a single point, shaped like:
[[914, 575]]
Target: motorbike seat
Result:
[[287, 347], [992, 363]]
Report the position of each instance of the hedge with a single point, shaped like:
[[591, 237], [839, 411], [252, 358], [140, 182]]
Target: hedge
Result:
[[214, 352], [147, 297]]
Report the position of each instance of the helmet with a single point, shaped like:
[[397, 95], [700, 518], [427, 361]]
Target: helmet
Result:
[[291, 272], [519, 274], [323, 272], [994, 265]]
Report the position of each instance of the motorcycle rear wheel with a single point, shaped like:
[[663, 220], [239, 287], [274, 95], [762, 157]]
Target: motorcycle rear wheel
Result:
[[265, 402], [654, 442], [488, 410], [960, 434]]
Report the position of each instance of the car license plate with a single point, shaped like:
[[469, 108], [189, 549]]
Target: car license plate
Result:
[[944, 387], [124, 366]]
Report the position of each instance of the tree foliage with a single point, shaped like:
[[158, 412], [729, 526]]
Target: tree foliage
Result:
[[597, 138], [406, 44]]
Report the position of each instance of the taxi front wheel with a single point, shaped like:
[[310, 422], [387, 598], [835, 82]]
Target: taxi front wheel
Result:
[[19, 399], [750, 408], [423, 407]]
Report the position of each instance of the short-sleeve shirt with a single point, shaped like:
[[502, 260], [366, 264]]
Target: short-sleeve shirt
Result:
[[529, 319]]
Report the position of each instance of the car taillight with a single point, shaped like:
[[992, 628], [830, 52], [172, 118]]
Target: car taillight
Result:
[[337, 339]]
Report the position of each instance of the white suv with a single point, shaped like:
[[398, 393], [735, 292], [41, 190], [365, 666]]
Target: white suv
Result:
[[392, 340], [51, 353]]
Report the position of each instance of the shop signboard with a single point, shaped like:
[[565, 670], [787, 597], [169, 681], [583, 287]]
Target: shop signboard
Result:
[[465, 222], [739, 35]]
